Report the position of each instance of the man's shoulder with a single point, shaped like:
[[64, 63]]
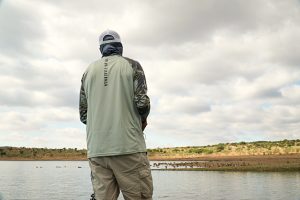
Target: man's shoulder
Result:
[[135, 64], [93, 64], [131, 61]]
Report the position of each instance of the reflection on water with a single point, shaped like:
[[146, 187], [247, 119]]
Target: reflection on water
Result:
[[66, 180]]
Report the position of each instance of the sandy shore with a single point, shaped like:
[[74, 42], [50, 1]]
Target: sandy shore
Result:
[[288, 162], [285, 162], [226, 157]]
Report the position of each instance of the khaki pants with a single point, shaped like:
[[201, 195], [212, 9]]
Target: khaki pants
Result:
[[129, 173]]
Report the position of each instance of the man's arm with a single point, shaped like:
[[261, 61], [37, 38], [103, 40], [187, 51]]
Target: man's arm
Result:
[[82, 102], [141, 99]]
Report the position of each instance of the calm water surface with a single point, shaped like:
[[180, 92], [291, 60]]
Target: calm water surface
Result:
[[67, 180]]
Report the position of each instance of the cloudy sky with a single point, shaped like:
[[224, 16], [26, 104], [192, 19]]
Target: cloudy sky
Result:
[[217, 71]]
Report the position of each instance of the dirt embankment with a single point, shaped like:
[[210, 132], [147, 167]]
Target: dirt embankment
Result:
[[288, 162]]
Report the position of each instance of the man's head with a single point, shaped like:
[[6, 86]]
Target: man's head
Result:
[[110, 43]]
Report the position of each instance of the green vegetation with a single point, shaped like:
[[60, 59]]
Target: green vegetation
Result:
[[230, 149], [222, 149], [22, 153]]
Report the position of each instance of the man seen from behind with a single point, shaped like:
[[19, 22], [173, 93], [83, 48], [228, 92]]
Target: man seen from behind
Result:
[[114, 106]]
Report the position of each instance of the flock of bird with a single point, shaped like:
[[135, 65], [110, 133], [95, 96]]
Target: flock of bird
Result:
[[196, 164]]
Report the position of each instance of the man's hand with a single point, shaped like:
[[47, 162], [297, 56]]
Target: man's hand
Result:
[[144, 124]]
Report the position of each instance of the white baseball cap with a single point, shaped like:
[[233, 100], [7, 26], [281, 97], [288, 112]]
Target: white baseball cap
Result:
[[109, 36]]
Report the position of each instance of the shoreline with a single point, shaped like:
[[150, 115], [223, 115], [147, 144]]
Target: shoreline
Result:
[[255, 163], [233, 163], [235, 170], [173, 158], [224, 157]]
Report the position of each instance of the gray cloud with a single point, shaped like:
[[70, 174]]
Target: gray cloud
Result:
[[217, 71], [176, 22], [20, 29]]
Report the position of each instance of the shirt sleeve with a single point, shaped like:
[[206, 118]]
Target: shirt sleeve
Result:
[[141, 99], [83, 106]]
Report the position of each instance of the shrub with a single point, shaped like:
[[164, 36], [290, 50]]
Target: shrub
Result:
[[199, 150], [175, 150], [220, 147], [195, 150], [208, 151]]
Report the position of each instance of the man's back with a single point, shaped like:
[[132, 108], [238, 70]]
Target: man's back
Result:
[[114, 105], [114, 125]]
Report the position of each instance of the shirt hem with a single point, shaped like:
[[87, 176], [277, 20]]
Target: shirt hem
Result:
[[115, 153]]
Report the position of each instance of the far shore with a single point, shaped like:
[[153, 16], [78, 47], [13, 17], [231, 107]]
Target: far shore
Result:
[[281, 155], [229, 157], [174, 158], [257, 163]]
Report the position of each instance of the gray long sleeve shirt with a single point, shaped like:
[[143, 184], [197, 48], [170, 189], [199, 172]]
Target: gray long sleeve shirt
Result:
[[113, 103]]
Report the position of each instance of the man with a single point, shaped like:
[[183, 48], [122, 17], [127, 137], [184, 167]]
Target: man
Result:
[[114, 106]]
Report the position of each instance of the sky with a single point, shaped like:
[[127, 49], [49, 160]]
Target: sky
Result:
[[217, 71]]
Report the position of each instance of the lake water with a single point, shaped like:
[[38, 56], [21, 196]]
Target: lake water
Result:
[[67, 180]]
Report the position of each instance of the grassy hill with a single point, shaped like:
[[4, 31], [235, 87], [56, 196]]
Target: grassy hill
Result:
[[22, 153], [283, 147], [229, 149]]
